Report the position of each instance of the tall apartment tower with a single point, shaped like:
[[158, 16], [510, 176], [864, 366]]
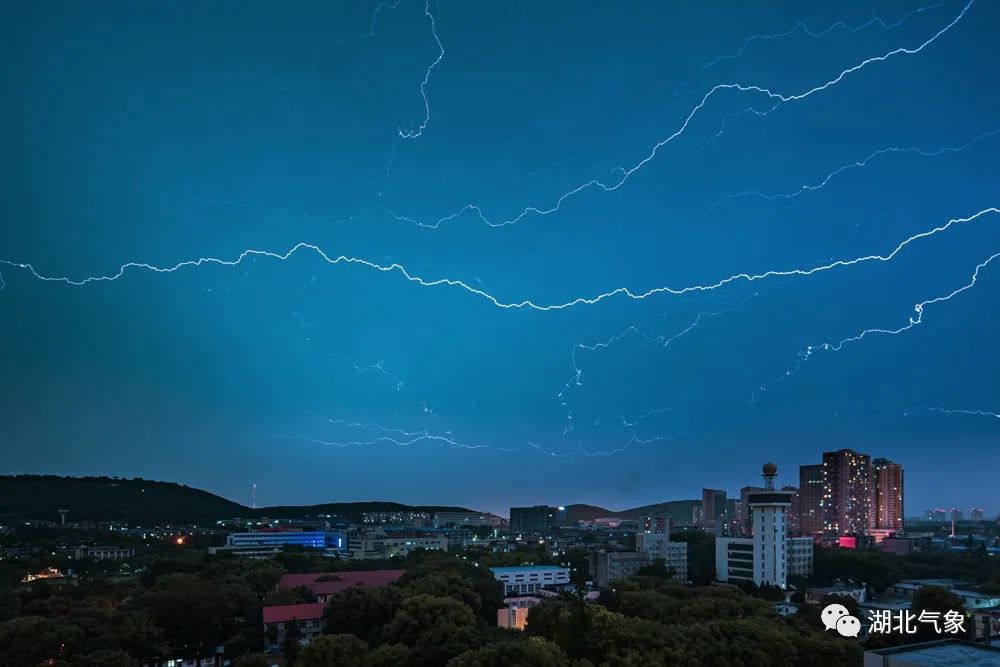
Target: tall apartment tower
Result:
[[886, 496], [713, 506], [811, 498], [846, 492]]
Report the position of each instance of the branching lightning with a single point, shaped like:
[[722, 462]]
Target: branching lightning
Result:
[[507, 305], [413, 134], [856, 165], [340, 42], [914, 320], [801, 27], [776, 98]]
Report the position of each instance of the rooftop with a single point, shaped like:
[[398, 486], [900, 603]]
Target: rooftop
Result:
[[301, 612], [530, 568], [344, 580], [944, 652]]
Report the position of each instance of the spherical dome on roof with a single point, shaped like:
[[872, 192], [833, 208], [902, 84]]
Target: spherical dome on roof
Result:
[[770, 469]]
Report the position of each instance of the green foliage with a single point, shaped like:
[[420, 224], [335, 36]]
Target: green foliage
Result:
[[252, 660], [335, 651], [421, 613], [362, 612], [530, 653]]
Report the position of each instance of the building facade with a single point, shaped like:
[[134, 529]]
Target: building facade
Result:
[[536, 519], [381, 544], [659, 546], [279, 618], [810, 508], [886, 496], [524, 579], [713, 507], [608, 566], [846, 492], [768, 556], [800, 556], [103, 552]]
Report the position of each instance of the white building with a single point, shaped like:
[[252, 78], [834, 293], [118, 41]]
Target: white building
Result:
[[467, 519], [769, 556], [376, 545], [103, 553], [800, 556], [658, 545], [530, 578]]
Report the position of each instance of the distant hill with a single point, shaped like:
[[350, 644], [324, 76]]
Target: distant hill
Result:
[[148, 502], [680, 510]]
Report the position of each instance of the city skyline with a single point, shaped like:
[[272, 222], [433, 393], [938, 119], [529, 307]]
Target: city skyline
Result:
[[500, 255]]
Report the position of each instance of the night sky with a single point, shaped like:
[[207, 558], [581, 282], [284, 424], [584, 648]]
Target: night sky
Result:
[[557, 252]]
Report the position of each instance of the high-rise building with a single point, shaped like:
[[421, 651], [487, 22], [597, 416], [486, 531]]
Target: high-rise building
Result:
[[886, 512], [846, 492], [811, 498], [937, 514], [659, 524], [713, 506], [533, 519], [764, 557], [744, 516], [956, 514], [976, 514], [794, 511]]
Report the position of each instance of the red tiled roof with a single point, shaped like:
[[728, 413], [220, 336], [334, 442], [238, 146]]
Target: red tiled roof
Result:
[[283, 613], [347, 580]]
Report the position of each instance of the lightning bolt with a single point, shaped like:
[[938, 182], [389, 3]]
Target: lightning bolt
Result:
[[804, 29], [856, 165], [915, 320], [413, 134], [956, 411], [397, 437], [364, 37], [776, 97], [662, 341], [506, 305]]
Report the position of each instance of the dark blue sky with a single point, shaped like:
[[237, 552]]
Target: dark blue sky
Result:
[[717, 142]]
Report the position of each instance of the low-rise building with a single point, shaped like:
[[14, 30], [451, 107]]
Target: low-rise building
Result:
[[327, 584], [267, 543], [800, 556], [383, 544], [103, 552], [660, 546], [467, 519], [530, 578], [608, 566], [515, 613], [934, 654], [904, 545], [278, 618], [816, 595]]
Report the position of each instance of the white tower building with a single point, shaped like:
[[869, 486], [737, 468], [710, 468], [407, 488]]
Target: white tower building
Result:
[[763, 558], [770, 530]]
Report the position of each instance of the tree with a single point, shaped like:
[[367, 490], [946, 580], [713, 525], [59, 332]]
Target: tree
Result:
[[291, 646], [335, 651], [530, 653], [658, 568], [419, 613], [29, 640], [362, 611], [107, 658], [252, 660], [936, 599], [390, 655]]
